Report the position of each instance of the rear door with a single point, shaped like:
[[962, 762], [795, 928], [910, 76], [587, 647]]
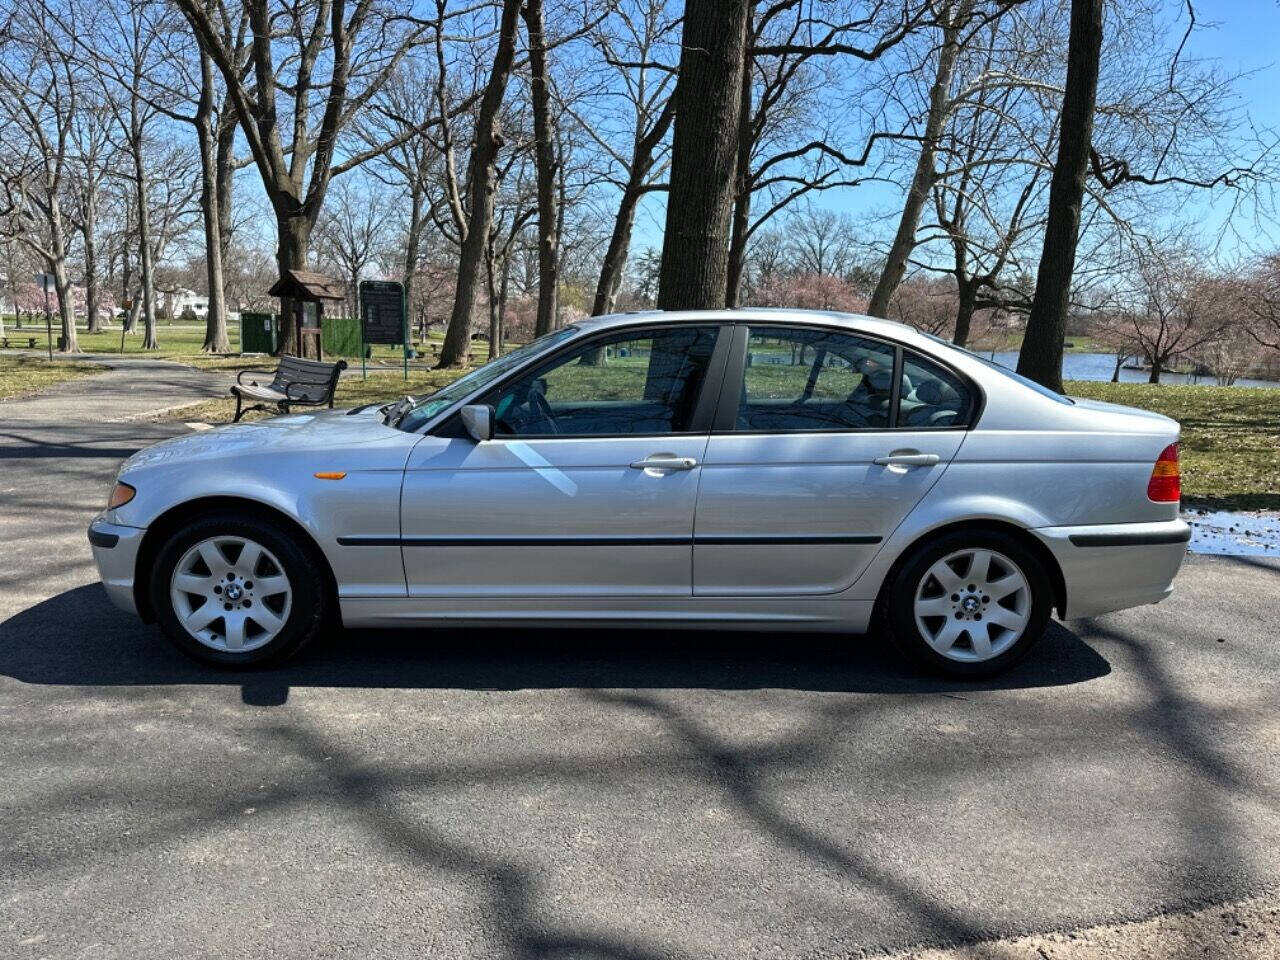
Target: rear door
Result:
[[824, 441]]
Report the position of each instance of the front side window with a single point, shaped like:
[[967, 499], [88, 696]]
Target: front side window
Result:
[[635, 382], [799, 379]]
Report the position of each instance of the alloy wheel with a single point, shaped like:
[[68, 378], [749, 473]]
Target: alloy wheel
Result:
[[972, 605]]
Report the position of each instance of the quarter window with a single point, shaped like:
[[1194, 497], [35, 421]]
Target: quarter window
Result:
[[800, 379], [636, 382], [932, 396]]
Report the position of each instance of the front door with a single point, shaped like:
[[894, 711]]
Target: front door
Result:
[[818, 461], [588, 488]]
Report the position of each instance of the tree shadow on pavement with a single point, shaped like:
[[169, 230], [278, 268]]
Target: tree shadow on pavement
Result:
[[78, 638]]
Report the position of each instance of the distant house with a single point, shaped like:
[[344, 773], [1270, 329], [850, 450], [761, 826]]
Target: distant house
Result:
[[181, 301]]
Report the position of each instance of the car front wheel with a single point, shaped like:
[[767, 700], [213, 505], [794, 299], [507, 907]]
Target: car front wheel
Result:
[[968, 604], [237, 591]]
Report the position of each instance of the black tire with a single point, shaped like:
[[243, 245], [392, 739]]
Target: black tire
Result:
[[309, 604], [897, 602]]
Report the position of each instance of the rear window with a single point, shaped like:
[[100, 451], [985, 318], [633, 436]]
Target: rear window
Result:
[[1000, 368]]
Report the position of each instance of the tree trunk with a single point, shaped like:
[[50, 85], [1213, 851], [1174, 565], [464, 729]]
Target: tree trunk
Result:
[[695, 249], [964, 312], [215, 331], [62, 285], [412, 245], [741, 223], [1041, 354], [294, 229], [89, 229], [149, 339], [1115, 374], [1157, 368], [544, 155], [615, 255], [481, 185], [904, 240], [224, 160], [495, 316]]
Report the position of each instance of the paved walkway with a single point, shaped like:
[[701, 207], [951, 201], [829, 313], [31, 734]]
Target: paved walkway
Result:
[[132, 387]]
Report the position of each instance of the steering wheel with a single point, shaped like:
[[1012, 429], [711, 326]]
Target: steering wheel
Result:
[[538, 403]]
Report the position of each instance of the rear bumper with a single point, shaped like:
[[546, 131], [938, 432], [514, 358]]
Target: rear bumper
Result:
[[115, 551], [1113, 566]]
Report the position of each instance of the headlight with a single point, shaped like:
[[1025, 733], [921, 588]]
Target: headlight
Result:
[[121, 494]]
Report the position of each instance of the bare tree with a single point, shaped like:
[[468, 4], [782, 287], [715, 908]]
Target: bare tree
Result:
[[634, 105], [40, 85], [313, 68], [704, 153], [351, 233], [477, 220]]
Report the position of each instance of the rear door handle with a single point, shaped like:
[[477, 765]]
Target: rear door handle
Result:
[[908, 460], [665, 462]]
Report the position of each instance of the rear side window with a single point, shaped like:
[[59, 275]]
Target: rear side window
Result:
[[932, 396], [803, 379]]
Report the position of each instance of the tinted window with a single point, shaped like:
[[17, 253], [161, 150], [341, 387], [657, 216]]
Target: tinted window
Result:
[[932, 396], [799, 379], [635, 382]]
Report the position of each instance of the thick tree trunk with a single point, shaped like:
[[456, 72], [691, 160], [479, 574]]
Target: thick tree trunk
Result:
[[964, 312], [1115, 374], [294, 230], [1157, 368], [62, 282], [544, 155], [481, 177], [1041, 354], [904, 239], [695, 249], [215, 332]]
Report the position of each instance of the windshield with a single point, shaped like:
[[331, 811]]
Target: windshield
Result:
[[424, 408], [1001, 368]]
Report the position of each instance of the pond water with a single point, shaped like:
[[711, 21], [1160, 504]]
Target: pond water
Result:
[[1099, 366]]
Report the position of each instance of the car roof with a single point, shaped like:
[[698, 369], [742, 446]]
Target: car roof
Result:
[[849, 321]]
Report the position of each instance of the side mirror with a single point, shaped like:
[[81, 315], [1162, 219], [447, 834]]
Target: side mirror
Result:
[[477, 418]]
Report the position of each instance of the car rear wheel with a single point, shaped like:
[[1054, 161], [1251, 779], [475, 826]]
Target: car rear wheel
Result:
[[237, 591], [968, 604]]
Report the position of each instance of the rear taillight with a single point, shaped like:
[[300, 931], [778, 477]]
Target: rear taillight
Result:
[[1165, 485]]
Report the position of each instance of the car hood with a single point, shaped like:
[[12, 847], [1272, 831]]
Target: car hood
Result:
[[323, 430]]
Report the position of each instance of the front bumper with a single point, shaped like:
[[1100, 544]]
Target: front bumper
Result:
[[115, 551], [1114, 566]]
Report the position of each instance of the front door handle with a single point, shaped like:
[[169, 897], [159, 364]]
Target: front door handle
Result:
[[905, 459], [662, 461]]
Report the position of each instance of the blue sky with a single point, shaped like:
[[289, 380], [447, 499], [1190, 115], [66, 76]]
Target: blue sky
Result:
[[1242, 36]]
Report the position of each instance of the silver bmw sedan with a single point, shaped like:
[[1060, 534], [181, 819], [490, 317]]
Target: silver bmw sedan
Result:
[[747, 469]]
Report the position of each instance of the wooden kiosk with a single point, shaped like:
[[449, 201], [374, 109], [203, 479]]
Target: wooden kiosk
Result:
[[299, 288]]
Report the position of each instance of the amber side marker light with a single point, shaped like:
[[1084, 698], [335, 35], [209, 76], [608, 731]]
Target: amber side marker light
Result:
[[1165, 485], [121, 494], [330, 476]]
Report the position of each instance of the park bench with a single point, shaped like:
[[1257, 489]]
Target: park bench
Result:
[[31, 341], [294, 383]]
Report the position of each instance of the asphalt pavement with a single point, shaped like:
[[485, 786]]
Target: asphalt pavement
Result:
[[603, 794]]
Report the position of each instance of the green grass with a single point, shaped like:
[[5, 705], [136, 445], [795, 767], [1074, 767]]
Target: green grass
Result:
[[1230, 438], [22, 375], [178, 341], [381, 386]]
